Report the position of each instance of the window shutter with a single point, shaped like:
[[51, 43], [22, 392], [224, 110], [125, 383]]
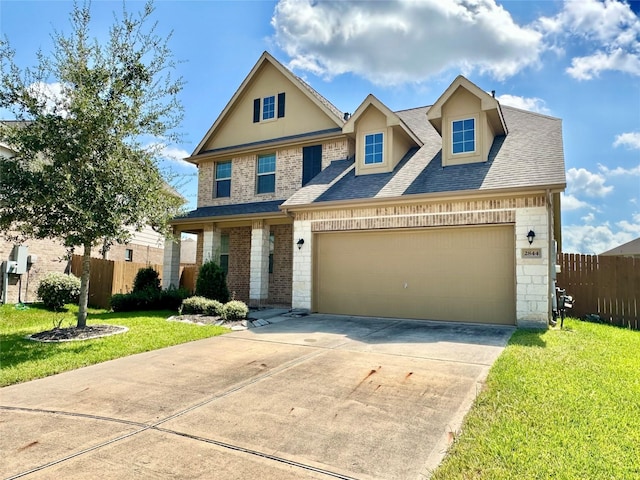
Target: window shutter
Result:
[[281, 105], [256, 110]]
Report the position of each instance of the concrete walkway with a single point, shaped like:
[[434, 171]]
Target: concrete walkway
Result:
[[313, 397]]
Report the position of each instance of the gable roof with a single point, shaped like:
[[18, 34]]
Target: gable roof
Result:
[[393, 120], [329, 109], [487, 104], [530, 156]]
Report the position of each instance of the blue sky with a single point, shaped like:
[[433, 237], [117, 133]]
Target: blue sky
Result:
[[577, 60]]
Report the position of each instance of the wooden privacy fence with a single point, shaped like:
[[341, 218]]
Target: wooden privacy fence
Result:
[[108, 277], [605, 285], [188, 276]]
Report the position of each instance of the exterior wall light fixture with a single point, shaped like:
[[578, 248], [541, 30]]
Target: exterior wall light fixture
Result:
[[530, 236], [300, 243]]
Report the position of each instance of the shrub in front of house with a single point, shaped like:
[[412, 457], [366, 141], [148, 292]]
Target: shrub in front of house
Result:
[[149, 299], [212, 282], [147, 279], [201, 306], [56, 289], [235, 310]]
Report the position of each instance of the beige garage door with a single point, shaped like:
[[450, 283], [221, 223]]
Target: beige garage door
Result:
[[456, 274]]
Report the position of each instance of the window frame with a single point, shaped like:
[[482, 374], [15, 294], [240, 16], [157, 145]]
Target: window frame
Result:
[[128, 255], [224, 253], [464, 140], [269, 173], [222, 179], [272, 108], [374, 154]]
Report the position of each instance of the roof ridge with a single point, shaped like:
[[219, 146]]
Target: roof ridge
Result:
[[335, 110]]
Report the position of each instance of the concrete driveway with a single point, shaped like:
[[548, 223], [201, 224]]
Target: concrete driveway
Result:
[[313, 397]]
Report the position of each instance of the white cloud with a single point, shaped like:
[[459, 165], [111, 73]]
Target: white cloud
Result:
[[609, 28], [400, 41], [582, 181], [52, 96], [589, 217], [630, 140], [533, 104], [593, 239], [620, 171], [569, 203], [168, 152]]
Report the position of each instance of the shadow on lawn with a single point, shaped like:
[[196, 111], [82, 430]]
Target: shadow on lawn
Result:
[[528, 338]]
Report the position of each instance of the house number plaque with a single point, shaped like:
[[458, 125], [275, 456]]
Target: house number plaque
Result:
[[531, 253]]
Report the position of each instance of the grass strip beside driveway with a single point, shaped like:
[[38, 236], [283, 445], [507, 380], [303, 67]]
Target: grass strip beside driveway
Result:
[[561, 404], [22, 359]]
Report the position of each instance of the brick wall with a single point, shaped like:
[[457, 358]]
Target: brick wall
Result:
[[239, 261], [243, 174], [280, 279], [51, 258]]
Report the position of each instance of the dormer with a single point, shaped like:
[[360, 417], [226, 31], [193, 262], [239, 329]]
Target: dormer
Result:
[[468, 119], [381, 138]]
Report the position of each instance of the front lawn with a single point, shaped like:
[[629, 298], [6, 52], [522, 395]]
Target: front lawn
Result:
[[561, 404], [22, 359]]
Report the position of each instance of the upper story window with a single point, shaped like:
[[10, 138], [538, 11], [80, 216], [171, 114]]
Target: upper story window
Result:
[[223, 179], [267, 108], [266, 181], [373, 147], [464, 135]]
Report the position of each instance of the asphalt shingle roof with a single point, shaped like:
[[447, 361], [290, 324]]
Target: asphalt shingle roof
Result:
[[530, 155], [233, 209]]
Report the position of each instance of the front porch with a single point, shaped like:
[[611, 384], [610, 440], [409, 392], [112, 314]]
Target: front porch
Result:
[[256, 254]]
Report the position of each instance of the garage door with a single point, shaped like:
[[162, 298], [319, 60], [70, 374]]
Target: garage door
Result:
[[455, 274]]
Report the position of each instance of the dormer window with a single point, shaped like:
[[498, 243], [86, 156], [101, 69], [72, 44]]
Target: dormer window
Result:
[[464, 135], [373, 148]]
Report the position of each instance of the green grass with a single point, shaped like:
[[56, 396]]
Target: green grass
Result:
[[561, 404], [22, 359]]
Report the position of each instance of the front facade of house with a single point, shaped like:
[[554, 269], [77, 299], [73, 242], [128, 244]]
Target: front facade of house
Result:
[[422, 213]]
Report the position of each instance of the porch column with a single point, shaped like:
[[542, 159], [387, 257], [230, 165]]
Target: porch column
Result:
[[171, 262], [211, 243], [259, 264], [302, 280]]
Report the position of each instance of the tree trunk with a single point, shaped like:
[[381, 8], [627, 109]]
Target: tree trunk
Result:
[[84, 286]]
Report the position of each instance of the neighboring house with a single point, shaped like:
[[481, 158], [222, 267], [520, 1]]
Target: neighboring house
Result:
[[629, 249], [146, 246], [422, 213]]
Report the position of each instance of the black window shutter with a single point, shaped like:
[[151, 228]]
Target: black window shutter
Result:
[[256, 110], [281, 105]]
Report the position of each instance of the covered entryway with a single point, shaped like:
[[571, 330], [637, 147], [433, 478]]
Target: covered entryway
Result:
[[455, 274]]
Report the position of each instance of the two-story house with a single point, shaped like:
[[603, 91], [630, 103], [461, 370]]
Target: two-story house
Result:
[[447, 212]]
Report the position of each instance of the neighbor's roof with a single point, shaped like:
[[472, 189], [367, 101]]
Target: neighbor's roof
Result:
[[529, 156], [629, 248]]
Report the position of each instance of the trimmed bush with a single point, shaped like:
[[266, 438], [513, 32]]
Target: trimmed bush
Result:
[[201, 306], [56, 289], [146, 279], [212, 282], [149, 299], [235, 310]]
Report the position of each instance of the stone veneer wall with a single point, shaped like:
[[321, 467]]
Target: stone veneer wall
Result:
[[280, 279], [243, 174], [525, 212]]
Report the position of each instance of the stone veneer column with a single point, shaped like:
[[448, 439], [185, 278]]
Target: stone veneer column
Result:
[[259, 264], [171, 263], [533, 302], [302, 281], [211, 244]]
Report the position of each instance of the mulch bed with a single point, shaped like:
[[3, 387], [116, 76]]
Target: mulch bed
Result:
[[72, 333]]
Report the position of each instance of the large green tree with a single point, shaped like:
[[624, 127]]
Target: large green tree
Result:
[[90, 118]]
